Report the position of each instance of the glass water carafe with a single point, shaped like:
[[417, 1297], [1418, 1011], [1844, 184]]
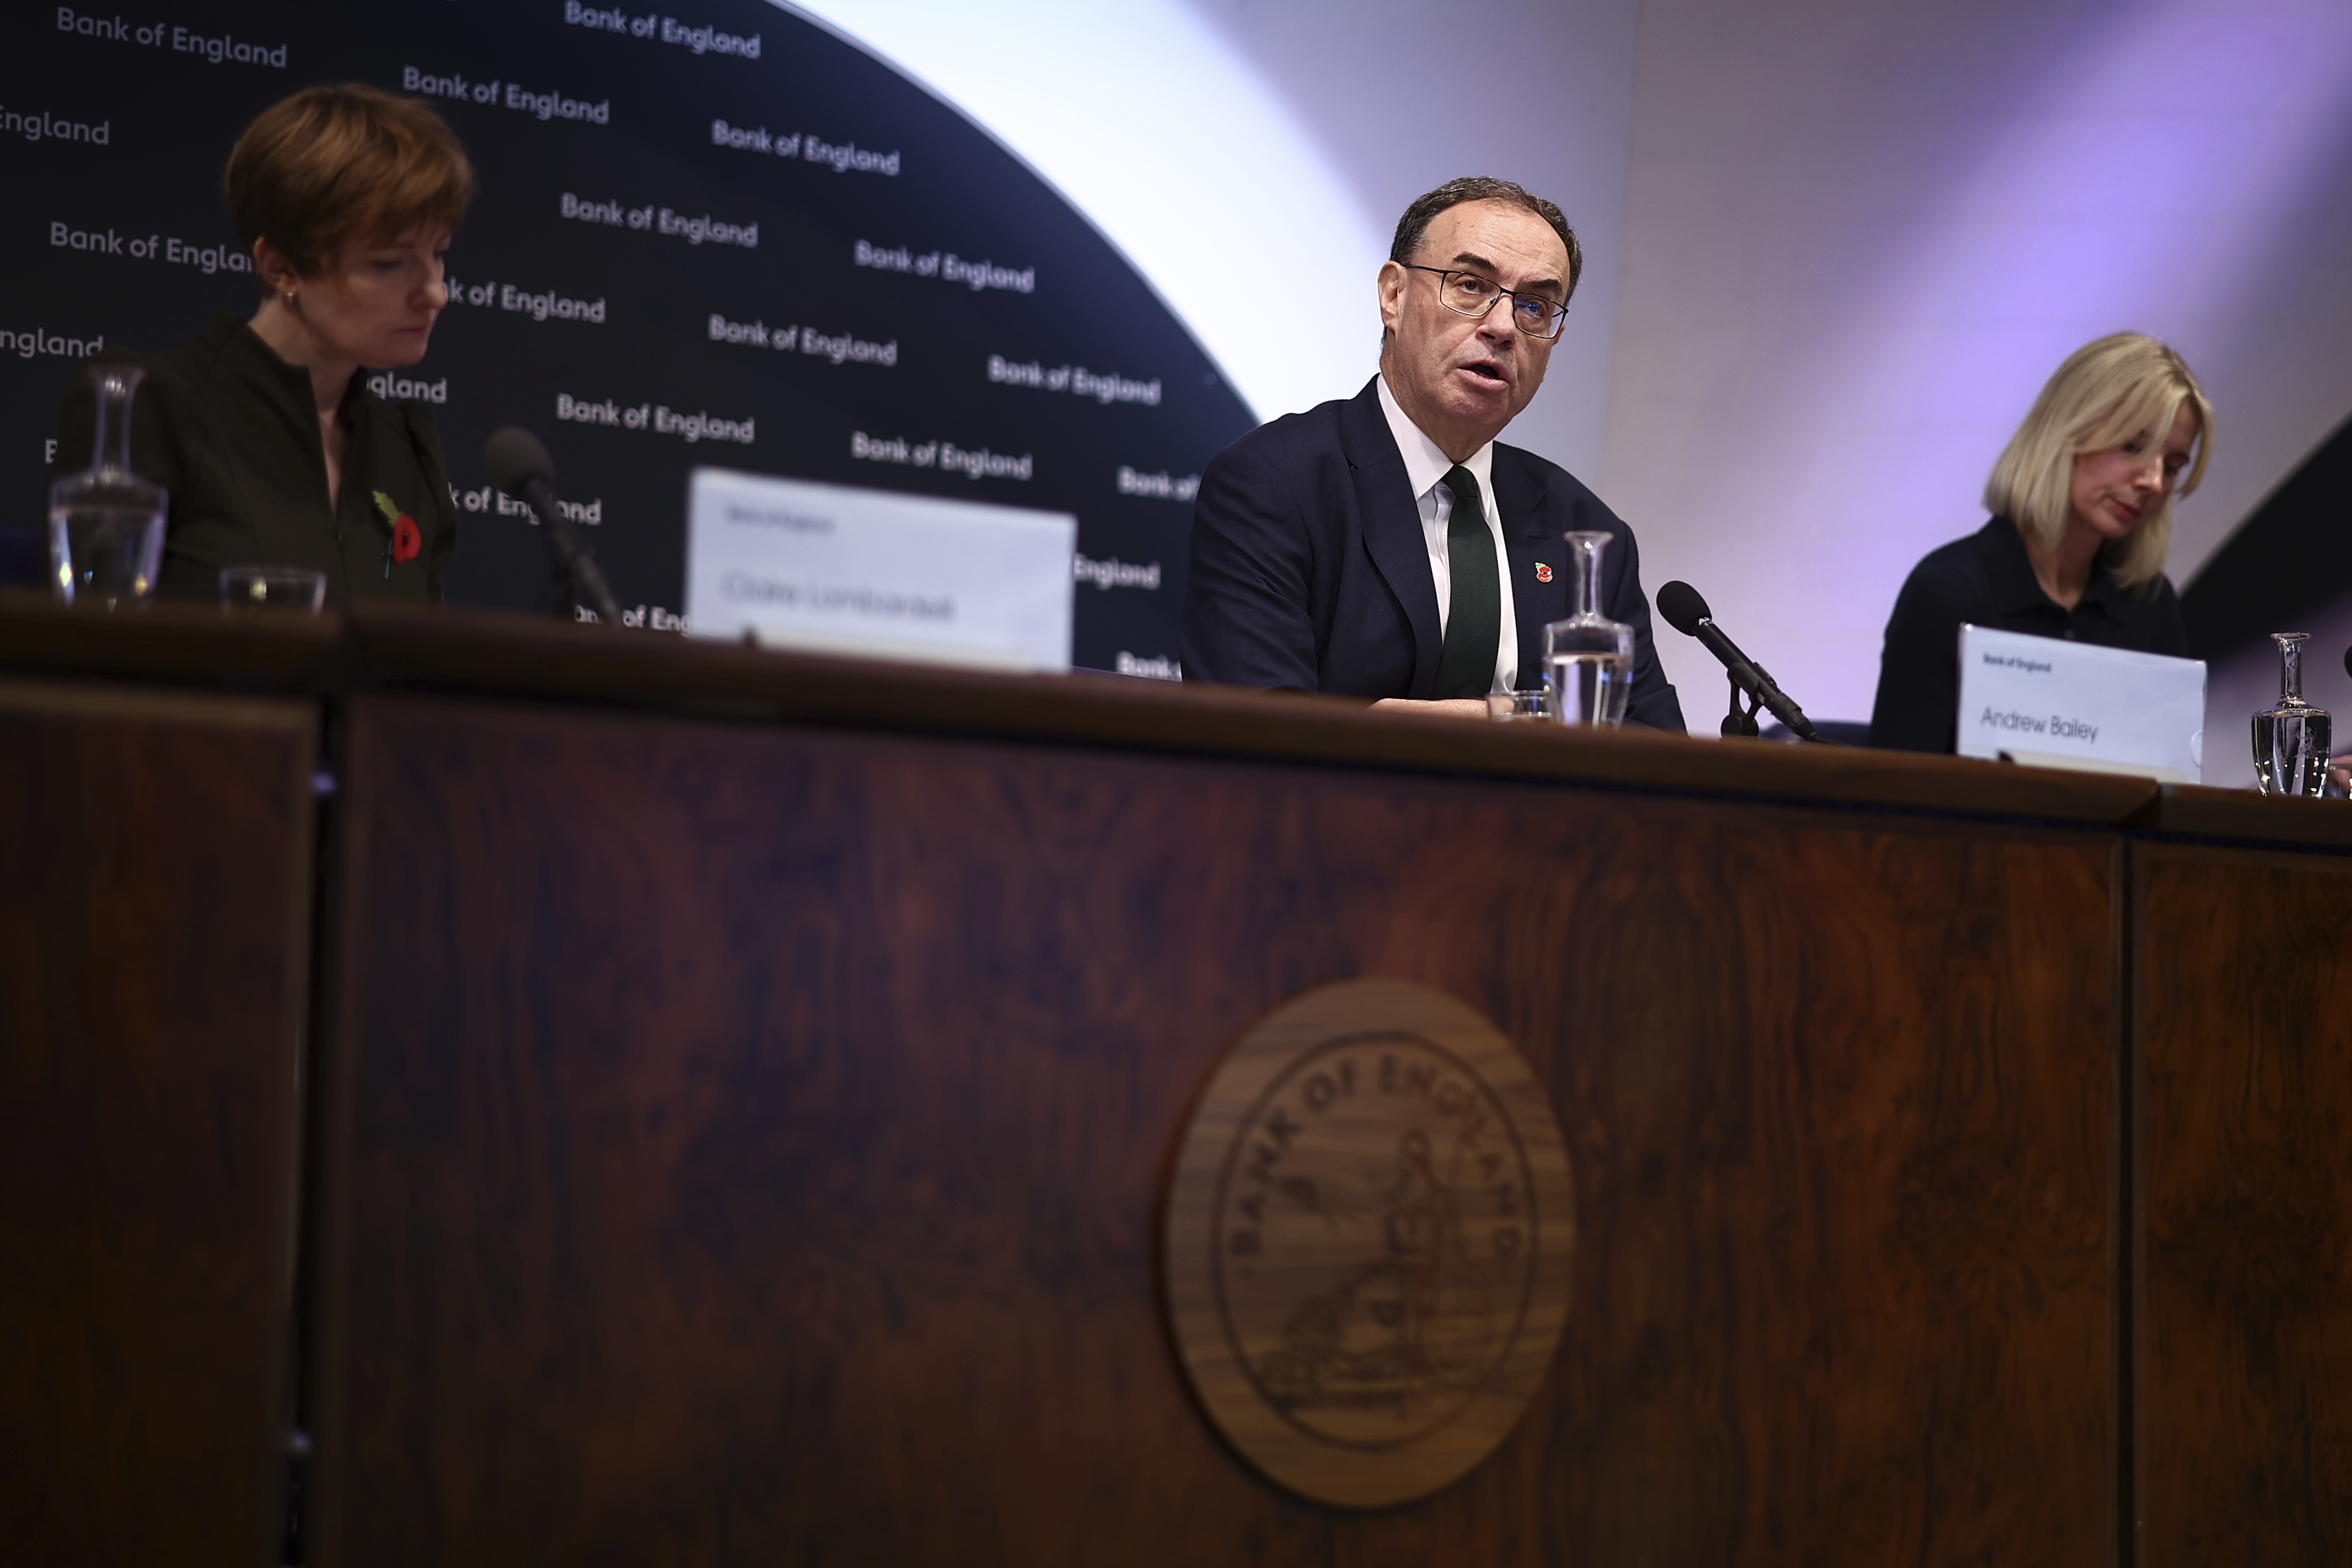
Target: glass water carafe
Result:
[[2291, 736], [1588, 658], [106, 523]]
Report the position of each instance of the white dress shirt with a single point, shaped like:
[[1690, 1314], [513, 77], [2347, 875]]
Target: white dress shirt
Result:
[[1424, 465]]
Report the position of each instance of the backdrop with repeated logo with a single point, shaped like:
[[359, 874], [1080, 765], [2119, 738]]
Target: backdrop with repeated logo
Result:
[[724, 235]]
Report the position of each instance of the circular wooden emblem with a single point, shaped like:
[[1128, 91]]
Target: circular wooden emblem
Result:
[[1367, 1242]]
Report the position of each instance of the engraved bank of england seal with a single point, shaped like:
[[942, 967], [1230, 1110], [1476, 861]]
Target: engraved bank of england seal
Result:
[[1367, 1239]]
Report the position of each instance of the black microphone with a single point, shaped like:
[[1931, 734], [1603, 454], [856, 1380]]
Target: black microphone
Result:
[[520, 467], [2347, 661], [1687, 614]]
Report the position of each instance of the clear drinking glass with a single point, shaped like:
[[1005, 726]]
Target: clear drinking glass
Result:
[[1533, 703], [106, 523], [2291, 736], [1588, 658], [296, 588]]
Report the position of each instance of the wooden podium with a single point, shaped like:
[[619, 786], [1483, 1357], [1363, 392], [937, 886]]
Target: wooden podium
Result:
[[740, 1088]]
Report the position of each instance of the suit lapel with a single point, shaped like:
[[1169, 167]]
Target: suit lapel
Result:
[[1391, 519], [1529, 542]]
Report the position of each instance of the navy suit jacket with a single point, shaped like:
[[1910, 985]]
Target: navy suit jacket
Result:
[[1310, 572]]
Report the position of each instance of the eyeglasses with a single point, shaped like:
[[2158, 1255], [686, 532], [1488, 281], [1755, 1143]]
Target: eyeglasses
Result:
[[1472, 295]]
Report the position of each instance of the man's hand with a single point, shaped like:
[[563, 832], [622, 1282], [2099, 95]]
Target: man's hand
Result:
[[1451, 707]]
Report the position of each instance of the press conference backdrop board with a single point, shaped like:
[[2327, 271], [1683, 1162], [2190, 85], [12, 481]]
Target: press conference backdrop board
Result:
[[712, 232], [834, 569], [2074, 699]]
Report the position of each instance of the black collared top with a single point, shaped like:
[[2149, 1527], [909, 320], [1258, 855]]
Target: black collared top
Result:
[[1987, 580], [231, 431]]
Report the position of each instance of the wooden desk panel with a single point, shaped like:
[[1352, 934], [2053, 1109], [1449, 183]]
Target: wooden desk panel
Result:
[[2243, 1018], [154, 938], [749, 1141], [2200, 811]]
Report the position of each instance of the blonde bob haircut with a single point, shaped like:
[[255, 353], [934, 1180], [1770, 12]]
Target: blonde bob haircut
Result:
[[2124, 388], [332, 165]]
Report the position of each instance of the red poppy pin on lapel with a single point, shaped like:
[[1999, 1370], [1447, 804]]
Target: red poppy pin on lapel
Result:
[[1543, 573], [406, 539]]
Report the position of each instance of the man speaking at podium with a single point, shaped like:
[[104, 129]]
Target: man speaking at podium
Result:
[[1386, 546]]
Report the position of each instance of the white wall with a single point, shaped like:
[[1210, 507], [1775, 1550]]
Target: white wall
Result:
[[1211, 140], [1860, 234]]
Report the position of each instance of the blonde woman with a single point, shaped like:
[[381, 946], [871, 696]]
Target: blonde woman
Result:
[[2082, 504]]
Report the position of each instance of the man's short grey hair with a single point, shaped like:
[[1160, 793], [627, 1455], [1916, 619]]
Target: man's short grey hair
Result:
[[1479, 188]]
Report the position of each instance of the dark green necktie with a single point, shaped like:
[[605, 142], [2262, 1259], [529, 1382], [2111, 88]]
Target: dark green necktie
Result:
[[1473, 621]]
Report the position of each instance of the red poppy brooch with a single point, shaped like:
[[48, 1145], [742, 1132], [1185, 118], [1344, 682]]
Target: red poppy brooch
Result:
[[406, 538]]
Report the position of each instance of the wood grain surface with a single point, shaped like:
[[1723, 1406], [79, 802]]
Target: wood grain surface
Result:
[[390, 645], [154, 906], [2204, 812], [381, 646], [2243, 1018], [749, 1140], [167, 643]]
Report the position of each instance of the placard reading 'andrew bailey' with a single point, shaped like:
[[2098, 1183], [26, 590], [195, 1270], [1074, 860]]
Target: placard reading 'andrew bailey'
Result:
[[718, 236]]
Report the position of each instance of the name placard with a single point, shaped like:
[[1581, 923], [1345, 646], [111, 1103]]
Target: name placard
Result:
[[2026, 694], [873, 572]]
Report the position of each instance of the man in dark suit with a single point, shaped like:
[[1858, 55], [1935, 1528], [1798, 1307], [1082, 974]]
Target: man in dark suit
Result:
[[1386, 546]]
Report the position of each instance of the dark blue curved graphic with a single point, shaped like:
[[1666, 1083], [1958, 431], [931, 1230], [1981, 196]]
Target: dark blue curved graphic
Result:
[[723, 236]]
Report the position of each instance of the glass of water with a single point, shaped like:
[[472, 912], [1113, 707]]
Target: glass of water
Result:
[[1588, 658], [296, 588], [106, 523], [1533, 703]]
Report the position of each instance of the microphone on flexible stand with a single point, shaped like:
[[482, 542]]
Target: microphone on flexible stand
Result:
[[520, 467], [1687, 613]]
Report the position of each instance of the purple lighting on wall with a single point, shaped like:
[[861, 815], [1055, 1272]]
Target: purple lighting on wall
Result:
[[1858, 242]]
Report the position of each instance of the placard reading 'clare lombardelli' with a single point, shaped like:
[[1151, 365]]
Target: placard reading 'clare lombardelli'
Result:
[[2027, 694], [837, 568]]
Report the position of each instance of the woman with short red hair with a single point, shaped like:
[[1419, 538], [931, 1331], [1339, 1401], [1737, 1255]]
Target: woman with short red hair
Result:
[[263, 428]]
